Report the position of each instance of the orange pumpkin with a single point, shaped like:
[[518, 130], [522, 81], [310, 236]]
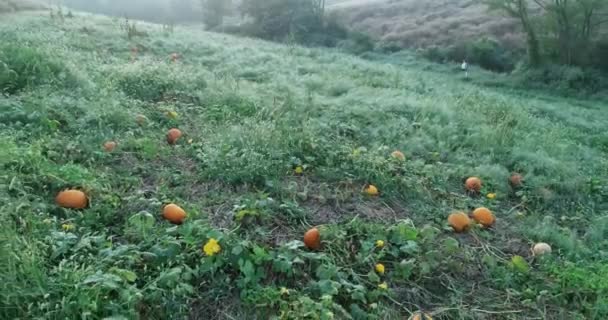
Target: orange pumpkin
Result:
[[173, 135], [473, 184], [484, 216], [459, 221], [312, 239], [516, 180], [398, 155], [72, 199], [109, 146], [174, 214]]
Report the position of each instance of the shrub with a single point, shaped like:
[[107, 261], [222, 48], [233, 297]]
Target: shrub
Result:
[[563, 78]]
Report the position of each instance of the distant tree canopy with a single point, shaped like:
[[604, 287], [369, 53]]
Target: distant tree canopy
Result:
[[214, 12], [279, 18], [302, 21], [570, 32]]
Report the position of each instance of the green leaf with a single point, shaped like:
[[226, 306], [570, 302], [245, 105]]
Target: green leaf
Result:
[[326, 271], [373, 277], [519, 264], [237, 250], [127, 275], [328, 287], [450, 245], [410, 247]]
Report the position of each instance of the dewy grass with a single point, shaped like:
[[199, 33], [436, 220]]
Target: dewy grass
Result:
[[278, 139]]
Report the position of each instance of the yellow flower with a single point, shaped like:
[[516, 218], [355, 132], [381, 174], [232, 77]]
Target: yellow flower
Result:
[[491, 196], [67, 227], [383, 286], [212, 247], [299, 170], [379, 244], [284, 291], [380, 268]]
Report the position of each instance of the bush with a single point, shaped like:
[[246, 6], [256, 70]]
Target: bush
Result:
[[357, 43], [567, 79], [23, 67], [490, 55], [486, 53]]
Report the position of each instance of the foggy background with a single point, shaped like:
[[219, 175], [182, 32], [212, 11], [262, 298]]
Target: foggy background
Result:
[[162, 11]]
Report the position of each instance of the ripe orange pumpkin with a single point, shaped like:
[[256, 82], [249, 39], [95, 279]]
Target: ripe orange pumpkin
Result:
[[312, 239], [173, 135], [174, 213], [516, 180], [473, 184], [109, 146], [459, 221], [398, 155], [484, 216], [72, 199]]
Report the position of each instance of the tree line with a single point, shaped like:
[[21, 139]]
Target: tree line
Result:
[[568, 32]]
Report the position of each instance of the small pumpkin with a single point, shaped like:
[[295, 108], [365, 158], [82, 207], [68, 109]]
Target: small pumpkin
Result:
[[459, 221], [473, 184], [516, 180], [174, 214], [72, 199], [312, 239], [173, 135], [484, 216], [109, 146], [419, 315], [541, 248], [398, 155], [141, 119], [371, 190]]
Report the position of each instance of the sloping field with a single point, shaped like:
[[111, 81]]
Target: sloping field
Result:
[[276, 140]]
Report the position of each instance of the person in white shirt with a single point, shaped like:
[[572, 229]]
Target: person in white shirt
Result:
[[465, 68]]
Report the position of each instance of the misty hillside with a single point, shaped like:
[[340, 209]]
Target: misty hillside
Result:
[[20, 5], [159, 172], [163, 11], [415, 24]]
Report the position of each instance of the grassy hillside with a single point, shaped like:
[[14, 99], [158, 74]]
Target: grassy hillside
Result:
[[278, 139], [420, 24]]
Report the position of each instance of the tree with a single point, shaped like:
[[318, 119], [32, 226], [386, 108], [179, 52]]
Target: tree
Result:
[[572, 26], [520, 10], [214, 12]]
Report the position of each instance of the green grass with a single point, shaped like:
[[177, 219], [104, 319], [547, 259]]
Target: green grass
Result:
[[251, 112]]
